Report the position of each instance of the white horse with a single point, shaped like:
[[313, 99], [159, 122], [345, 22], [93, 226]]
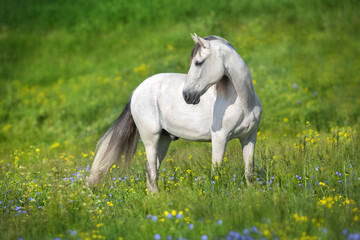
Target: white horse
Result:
[[215, 101]]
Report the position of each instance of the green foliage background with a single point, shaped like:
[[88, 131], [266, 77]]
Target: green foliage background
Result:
[[67, 68]]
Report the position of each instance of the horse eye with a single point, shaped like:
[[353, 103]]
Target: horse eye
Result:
[[197, 63]]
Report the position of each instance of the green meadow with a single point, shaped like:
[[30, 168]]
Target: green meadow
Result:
[[68, 68]]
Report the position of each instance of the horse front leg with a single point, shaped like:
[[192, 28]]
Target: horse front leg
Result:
[[218, 143], [155, 153], [248, 150]]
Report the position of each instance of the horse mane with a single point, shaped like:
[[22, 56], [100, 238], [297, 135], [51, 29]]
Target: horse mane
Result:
[[209, 38], [222, 85]]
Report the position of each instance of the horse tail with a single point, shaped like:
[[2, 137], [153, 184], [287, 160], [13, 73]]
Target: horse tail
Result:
[[121, 138]]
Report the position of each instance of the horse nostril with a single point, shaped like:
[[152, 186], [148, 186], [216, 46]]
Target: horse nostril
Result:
[[186, 96]]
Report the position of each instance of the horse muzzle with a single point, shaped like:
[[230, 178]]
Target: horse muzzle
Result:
[[191, 97]]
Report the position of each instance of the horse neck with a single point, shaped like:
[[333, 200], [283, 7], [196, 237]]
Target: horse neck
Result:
[[238, 73]]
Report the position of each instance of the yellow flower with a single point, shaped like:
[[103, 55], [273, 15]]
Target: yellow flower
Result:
[[266, 233], [142, 69], [322, 184], [188, 171], [55, 145], [173, 212], [216, 177], [286, 119], [170, 47], [6, 127]]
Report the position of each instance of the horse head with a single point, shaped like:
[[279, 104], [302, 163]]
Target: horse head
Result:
[[206, 68]]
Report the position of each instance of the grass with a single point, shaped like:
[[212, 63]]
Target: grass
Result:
[[68, 68]]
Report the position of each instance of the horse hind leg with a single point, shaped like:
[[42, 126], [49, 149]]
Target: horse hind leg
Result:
[[156, 150], [248, 150]]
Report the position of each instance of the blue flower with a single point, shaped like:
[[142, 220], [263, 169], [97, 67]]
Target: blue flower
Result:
[[169, 215], [178, 216], [157, 236], [154, 218], [191, 226], [17, 208], [246, 232], [219, 222], [72, 232], [204, 237], [354, 236]]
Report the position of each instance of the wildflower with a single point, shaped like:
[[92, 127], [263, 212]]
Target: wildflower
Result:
[[246, 231], [142, 69], [191, 226], [157, 236], [55, 145], [179, 215], [322, 184], [173, 212], [154, 218], [219, 222], [204, 237], [72, 232]]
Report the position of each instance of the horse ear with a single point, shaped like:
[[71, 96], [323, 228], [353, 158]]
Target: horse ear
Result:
[[204, 43], [194, 37]]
